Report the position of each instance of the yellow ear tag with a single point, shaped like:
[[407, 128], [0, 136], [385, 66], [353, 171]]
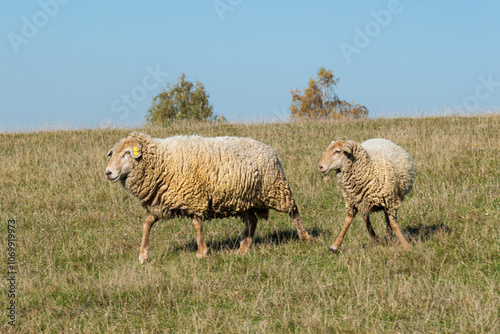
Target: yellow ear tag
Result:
[[347, 149], [135, 152]]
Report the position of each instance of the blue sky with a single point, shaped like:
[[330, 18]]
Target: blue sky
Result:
[[87, 63]]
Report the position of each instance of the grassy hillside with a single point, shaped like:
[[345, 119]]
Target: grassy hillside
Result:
[[78, 236]]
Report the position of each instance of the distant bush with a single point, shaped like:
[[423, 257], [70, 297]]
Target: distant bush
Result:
[[320, 100], [182, 101]]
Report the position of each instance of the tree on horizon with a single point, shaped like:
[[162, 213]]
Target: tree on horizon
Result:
[[182, 101], [320, 101]]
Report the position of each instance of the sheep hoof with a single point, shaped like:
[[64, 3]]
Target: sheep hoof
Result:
[[142, 260], [306, 237], [242, 251], [202, 254], [333, 249]]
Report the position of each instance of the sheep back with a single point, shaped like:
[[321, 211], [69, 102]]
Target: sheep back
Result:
[[380, 175], [208, 177]]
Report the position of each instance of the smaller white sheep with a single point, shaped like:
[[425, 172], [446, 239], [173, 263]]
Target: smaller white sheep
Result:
[[374, 175]]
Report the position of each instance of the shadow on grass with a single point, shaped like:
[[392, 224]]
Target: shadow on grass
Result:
[[421, 233], [233, 243]]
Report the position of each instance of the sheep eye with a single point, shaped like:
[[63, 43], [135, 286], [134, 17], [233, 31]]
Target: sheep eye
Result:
[[126, 153]]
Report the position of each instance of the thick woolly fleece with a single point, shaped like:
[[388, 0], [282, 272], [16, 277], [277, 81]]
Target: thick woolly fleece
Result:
[[207, 177], [379, 176]]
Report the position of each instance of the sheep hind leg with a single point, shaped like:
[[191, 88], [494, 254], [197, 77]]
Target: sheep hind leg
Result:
[[202, 248], [369, 227], [338, 242], [297, 220], [250, 220], [395, 227], [388, 228], [143, 250]]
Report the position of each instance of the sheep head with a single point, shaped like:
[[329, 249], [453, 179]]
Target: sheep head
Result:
[[123, 155], [336, 156]]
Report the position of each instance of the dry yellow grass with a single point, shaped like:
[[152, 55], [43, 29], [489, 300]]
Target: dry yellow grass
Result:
[[78, 238]]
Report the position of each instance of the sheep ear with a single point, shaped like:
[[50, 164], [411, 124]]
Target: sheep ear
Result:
[[347, 149], [136, 152], [110, 153]]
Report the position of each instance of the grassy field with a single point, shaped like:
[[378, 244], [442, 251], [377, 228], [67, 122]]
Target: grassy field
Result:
[[78, 236]]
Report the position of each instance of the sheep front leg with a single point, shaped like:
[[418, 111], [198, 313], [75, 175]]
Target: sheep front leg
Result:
[[348, 220], [395, 227], [250, 220], [202, 248], [143, 250]]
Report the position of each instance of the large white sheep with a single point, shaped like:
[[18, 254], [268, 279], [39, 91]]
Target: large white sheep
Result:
[[203, 178], [374, 175]]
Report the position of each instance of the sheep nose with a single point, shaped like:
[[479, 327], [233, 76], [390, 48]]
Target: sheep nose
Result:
[[320, 168], [108, 172]]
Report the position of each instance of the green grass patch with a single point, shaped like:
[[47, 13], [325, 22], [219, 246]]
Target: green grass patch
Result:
[[78, 239]]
